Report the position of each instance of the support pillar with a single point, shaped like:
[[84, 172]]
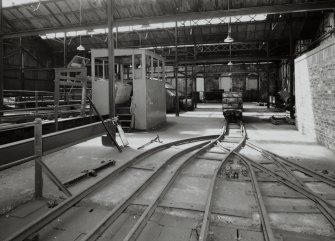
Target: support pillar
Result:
[[65, 51], [1, 63], [117, 38], [192, 88], [268, 76], [111, 62], [176, 68], [258, 84], [186, 79], [291, 72], [21, 54], [38, 153], [195, 97]]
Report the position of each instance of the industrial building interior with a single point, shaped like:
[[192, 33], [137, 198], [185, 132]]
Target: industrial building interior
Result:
[[167, 120]]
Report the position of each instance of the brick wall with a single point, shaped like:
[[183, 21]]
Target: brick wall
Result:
[[315, 94]]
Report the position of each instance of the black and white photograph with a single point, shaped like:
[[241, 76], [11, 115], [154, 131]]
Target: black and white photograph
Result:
[[167, 120]]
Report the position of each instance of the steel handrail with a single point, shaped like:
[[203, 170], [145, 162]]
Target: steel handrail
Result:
[[17, 126]]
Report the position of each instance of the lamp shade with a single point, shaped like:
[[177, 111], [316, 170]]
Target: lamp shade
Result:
[[80, 48], [229, 39]]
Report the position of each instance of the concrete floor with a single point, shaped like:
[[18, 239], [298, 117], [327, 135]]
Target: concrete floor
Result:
[[18, 182], [284, 140]]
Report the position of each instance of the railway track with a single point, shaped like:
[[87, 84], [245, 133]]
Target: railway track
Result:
[[150, 163], [186, 190], [252, 171]]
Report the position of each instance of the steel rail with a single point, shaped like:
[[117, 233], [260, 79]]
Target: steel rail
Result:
[[142, 221], [48, 217], [321, 203], [266, 226], [208, 207], [330, 181], [101, 227]]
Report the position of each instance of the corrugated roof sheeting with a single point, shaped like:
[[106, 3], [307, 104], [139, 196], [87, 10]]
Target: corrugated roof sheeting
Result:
[[257, 31], [66, 12]]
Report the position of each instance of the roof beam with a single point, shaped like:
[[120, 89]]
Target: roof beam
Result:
[[227, 59], [273, 9]]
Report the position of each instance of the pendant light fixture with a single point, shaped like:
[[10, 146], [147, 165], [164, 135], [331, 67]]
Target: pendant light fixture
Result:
[[229, 38], [230, 63], [80, 47]]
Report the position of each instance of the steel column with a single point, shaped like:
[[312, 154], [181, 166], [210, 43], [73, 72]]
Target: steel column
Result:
[[176, 67], [21, 55], [1, 61], [38, 153], [65, 51], [268, 76], [111, 63], [186, 76], [195, 77], [291, 70], [192, 87]]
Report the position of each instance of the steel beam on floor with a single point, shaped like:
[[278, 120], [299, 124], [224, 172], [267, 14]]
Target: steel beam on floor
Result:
[[42, 221], [51, 143]]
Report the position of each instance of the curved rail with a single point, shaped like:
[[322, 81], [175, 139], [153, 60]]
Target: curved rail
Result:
[[330, 181], [267, 230], [48, 217], [117, 211], [208, 207], [141, 222], [323, 205]]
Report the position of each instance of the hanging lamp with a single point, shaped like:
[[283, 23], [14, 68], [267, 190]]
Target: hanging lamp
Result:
[[230, 63], [80, 47], [229, 38]]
